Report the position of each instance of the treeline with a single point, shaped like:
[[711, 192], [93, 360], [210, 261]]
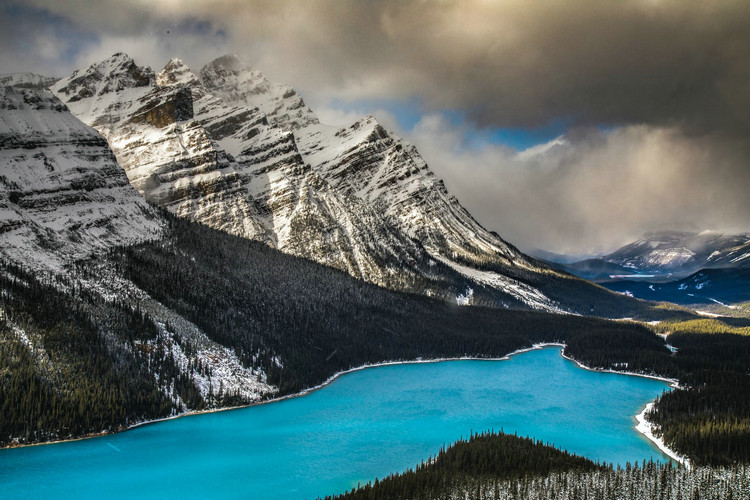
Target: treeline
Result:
[[269, 306], [709, 421], [69, 365], [498, 466], [740, 326], [481, 461]]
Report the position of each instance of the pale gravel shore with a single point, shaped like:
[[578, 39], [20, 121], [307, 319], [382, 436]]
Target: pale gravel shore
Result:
[[643, 426], [646, 428]]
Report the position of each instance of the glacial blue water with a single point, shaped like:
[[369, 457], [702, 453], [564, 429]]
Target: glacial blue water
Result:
[[365, 424]]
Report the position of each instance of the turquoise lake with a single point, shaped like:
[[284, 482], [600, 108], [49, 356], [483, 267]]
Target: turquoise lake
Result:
[[365, 424]]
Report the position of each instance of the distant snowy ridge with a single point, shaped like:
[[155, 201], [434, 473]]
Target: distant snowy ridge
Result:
[[683, 252]]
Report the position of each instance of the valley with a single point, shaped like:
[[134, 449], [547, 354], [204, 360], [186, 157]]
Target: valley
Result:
[[184, 241]]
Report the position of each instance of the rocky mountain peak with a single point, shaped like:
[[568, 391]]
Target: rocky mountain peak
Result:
[[236, 84], [115, 74], [176, 72], [226, 64]]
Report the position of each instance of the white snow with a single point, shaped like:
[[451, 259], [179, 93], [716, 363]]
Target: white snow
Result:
[[709, 314], [521, 291], [722, 303], [645, 428], [465, 299]]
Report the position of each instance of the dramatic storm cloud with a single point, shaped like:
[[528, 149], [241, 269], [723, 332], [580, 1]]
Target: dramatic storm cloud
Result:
[[653, 95]]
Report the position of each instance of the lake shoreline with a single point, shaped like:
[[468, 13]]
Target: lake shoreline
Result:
[[643, 427], [646, 428]]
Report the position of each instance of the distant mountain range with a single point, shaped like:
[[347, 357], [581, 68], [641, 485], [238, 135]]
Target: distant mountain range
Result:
[[666, 255], [680, 252], [708, 286], [679, 267]]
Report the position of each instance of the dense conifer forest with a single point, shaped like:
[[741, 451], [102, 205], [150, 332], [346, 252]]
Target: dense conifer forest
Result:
[[318, 321], [64, 376], [497, 466]]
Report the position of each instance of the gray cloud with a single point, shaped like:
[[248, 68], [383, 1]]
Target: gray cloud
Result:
[[591, 190], [507, 63], [670, 77]]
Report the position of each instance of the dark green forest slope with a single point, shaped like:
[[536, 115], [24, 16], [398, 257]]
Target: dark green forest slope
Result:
[[498, 466], [319, 321]]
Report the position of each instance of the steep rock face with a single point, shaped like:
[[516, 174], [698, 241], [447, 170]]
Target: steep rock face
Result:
[[366, 161], [62, 194], [167, 156], [253, 160], [374, 165], [239, 86], [220, 162]]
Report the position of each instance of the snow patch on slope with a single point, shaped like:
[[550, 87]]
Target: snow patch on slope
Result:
[[521, 291]]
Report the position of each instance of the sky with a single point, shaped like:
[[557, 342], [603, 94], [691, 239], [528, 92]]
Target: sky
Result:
[[571, 126]]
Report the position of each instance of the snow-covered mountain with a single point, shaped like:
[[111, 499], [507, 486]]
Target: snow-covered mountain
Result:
[[226, 147], [683, 252], [62, 193]]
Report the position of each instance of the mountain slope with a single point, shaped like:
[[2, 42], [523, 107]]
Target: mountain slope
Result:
[[363, 160], [228, 148], [708, 286], [74, 334], [62, 193]]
